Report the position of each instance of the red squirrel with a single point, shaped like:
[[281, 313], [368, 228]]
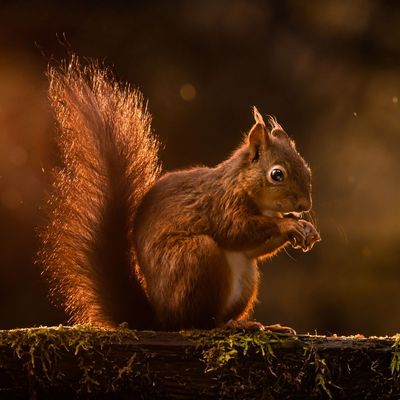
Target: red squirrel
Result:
[[124, 243]]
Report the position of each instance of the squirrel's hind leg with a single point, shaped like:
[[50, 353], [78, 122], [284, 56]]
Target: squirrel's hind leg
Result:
[[193, 284]]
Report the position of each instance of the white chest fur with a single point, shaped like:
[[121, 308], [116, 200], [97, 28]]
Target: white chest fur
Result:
[[240, 266]]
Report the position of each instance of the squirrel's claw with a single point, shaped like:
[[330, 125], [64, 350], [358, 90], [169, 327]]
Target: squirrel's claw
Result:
[[311, 235]]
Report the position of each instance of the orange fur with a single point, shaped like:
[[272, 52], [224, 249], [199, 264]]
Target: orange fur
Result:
[[109, 158], [123, 244]]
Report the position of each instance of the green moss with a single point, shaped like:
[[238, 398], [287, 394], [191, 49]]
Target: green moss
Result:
[[241, 362], [42, 349], [323, 382], [221, 348], [224, 351], [395, 361]]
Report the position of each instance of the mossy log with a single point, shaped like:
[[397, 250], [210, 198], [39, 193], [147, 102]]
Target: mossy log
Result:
[[82, 362]]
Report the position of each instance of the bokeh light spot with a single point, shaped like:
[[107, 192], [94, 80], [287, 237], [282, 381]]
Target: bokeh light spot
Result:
[[187, 92]]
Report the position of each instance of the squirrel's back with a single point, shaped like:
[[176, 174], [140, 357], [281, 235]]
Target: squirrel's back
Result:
[[109, 160]]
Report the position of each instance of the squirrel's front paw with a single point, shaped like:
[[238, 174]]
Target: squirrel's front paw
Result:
[[300, 233], [294, 231], [311, 234]]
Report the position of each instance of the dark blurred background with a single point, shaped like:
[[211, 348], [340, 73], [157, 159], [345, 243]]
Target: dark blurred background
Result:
[[328, 70]]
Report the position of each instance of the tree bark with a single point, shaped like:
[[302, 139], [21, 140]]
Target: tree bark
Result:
[[82, 362]]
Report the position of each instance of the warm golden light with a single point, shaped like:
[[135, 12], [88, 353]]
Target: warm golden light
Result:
[[329, 71]]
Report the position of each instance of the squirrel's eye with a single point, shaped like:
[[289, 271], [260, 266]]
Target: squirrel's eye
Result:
[[277, 175]]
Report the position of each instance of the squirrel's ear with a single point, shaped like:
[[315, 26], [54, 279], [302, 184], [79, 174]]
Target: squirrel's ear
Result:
[[258, 134], [257, 116]]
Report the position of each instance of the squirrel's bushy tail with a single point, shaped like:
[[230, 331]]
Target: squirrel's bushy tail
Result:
[[110, 159]]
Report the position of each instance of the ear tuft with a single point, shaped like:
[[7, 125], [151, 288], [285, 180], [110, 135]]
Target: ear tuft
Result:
[[274, 124], [257, 116]]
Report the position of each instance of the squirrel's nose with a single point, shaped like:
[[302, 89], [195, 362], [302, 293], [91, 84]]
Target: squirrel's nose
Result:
[[303, 205]]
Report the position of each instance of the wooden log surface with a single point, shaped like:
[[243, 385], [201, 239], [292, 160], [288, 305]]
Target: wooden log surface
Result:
[[82, 362]]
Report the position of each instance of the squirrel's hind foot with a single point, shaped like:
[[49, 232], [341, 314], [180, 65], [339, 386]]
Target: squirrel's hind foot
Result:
[[278, 328], [249, 325]]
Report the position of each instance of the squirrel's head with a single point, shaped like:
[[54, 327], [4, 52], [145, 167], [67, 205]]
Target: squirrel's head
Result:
[[278, 178]]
